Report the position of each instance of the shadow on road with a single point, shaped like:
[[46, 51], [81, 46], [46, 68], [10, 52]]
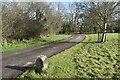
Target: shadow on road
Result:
[[20, 68]]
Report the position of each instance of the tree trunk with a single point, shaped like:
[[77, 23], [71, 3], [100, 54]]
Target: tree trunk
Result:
[[103, 37], [104, 33], [81, 29], [98, 36]]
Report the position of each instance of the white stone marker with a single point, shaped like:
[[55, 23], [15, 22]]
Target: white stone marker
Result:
[[41, 63]]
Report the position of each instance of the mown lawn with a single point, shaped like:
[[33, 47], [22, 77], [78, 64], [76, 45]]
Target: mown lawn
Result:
[[29, 43], [85, 60]]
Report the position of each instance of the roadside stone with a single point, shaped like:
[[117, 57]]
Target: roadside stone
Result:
[[41, 63]]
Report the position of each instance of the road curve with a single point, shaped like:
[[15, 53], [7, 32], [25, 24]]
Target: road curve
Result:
[[13, 62]]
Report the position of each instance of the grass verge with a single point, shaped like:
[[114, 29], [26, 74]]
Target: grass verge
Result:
[[29, 43], [85, 60]]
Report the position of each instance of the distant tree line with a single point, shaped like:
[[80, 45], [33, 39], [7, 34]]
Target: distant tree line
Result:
[[30, 20]]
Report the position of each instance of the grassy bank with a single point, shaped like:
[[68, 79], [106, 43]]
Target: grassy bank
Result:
[[87, 59], [29, 43]]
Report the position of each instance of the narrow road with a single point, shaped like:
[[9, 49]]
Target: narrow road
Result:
[[13, 62]]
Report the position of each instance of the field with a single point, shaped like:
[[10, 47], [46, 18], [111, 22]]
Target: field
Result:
[[87, 59], [29, 43]]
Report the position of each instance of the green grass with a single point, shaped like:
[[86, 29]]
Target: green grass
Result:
[[85, 60], [29, 43]]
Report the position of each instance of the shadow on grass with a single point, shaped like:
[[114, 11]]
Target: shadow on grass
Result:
[[91, 42], [24, 68], [42, 40]]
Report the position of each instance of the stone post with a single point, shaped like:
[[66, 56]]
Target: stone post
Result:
[[41, 63]]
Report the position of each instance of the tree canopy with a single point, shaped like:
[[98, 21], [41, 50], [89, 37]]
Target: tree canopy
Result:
[[27, 20]]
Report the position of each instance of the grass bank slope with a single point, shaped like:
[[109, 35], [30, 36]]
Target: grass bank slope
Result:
[[87, 59]]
